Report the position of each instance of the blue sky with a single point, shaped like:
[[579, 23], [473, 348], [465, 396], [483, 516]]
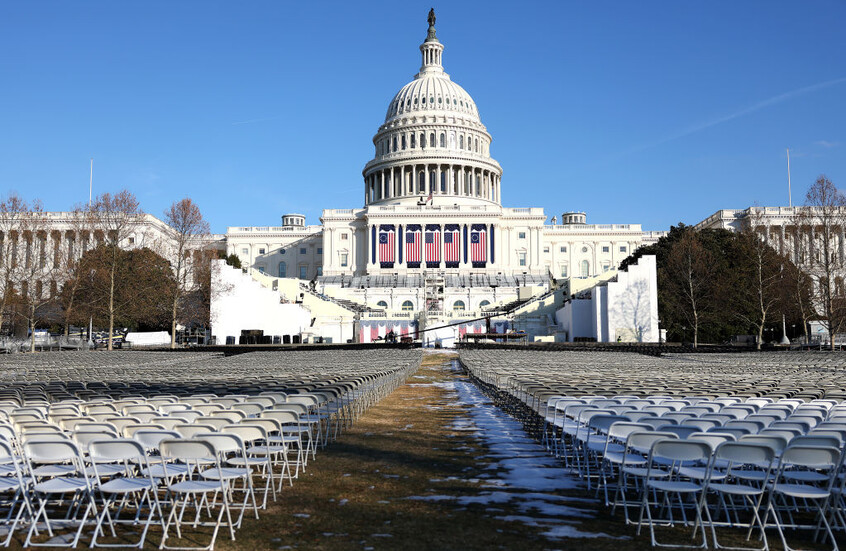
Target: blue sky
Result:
[[635, 112]]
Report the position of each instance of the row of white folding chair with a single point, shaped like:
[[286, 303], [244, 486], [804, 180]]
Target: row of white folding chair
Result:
[[257, 435], [745, 470]]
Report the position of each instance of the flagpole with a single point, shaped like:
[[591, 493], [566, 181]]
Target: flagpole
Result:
[[91, 181], [789, 193]]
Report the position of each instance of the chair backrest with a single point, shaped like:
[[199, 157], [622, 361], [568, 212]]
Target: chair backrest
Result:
[[680, 450], [168, 422], [753, 426], [679, 417], [216, 422], [713, 439], [83, 438], [52, 451], [223, 443], [187, 415], [190, 430], [169, 408], [248, 432], [813, 457], [188, 450], [209, 409], [282, 416], [776, 442], [702, 424], [250, 409], [151, 438], [682, 431], [232, 415], [116, 449], [656, 422], [746, 453], [815, 440], [130, 430], [299, 409], [622, 429], [642, 441]]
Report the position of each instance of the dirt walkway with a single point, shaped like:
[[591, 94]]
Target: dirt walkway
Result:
[[412, 474]]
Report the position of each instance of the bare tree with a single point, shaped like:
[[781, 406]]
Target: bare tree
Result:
[[822, 221], [13, 212], [119, 217], [40, 270], [761, 284], [690, 273], [188, 233], [81, 225]]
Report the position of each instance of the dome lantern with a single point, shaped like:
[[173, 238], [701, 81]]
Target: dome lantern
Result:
[[431, 49]]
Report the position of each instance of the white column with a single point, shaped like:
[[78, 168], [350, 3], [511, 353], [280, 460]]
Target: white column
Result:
[[437, 176]]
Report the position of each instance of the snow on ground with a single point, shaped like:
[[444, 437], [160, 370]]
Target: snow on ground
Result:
[[527, 476]]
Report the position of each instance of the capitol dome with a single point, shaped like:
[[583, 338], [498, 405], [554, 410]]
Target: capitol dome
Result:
[[433, 143]]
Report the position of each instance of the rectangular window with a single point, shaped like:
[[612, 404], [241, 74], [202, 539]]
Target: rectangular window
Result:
[[522, 258], [623, 249], [563, 249], [563, 270], [344, 260], [132, 241], [245, 252], [319, 250], [344, 237], [261, 269], [605, 266], [302, 250], [546, 249], [606, 249], [303, 272], [261, 251], [521, 235], [319, 271]]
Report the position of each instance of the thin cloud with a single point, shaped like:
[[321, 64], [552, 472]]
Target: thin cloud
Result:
[[775, 100], [251, 121], [826, 144]]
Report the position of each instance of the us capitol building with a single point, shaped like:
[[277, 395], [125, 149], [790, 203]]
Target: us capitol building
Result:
[[433, 235]]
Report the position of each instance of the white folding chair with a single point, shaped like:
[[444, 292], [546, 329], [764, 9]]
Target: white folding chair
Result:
[[230, 446], [192, 488], [54, 490], [12, 484], [664, 481], [129, 455], [814, 489], [747, 469]]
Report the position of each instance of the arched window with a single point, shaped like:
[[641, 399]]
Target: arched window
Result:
[[283, 269], [395, 143], [443, 139], [443, 182], [477, 145], [382, 304], [421, 182], [432, 181], [403, 141], [458, 306], [461, 142], [585, 268], [422, 140], [413, 140], [407, 305], [484, 303], [432, 141]]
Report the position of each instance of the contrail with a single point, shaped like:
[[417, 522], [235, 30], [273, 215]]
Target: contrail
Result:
[[751, 109], [262, 119]]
